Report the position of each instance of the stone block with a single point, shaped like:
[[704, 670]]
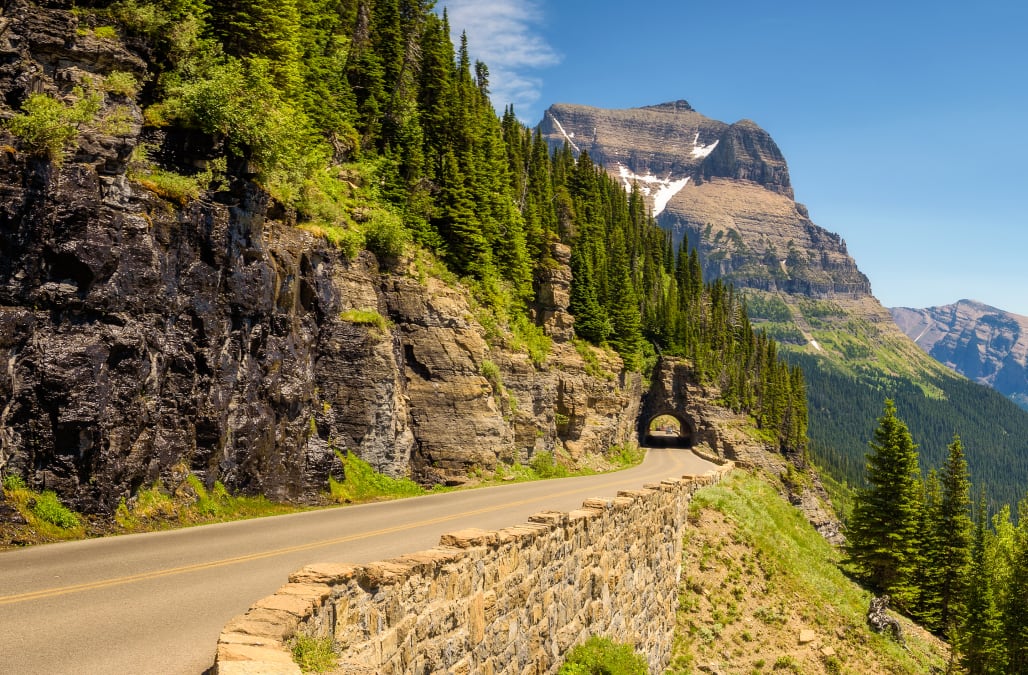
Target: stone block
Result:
[[316, 592], [269, 655], [324, 573], [385, 573], [263, 622], [807, 636], [300, 606], [552, 518], [468, 538]]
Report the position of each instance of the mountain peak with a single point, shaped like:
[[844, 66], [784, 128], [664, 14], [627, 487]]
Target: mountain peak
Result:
[[681, 105], [716, 183]]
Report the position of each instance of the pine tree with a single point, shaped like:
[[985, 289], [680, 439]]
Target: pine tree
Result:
[[883, 535], [1015, 613], [928, 575], [981, 635], [954, 534], [623, 307], [591, 321]]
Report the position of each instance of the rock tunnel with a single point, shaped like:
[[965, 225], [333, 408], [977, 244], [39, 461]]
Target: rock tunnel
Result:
[[667, 429]]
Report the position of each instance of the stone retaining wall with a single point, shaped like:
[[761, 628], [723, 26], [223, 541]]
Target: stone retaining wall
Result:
[[507, 601]]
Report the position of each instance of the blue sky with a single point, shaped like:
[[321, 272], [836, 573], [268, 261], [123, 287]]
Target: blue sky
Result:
[[904, 123]]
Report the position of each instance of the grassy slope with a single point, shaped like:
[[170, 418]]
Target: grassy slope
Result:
[[755, 574]]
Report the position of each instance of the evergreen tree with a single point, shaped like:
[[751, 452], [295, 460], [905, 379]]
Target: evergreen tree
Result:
[[954, 535], [623, 307], [883, 534], [929, 573], [1015, 613], [981, 634], [591, 321]]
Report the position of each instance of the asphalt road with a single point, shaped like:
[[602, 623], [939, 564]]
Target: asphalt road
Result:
[[155, 603]]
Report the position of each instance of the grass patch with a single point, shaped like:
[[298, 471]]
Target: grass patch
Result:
[[313, 654], [754, 565], [348, 240], [48, 519], [361, 483], [602, 656], [49, 509], [168, 185], [365, 317]]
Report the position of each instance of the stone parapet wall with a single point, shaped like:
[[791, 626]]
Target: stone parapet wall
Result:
[[507, 601]]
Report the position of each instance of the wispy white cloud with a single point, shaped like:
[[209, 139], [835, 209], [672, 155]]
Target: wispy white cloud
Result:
[[505, 35]]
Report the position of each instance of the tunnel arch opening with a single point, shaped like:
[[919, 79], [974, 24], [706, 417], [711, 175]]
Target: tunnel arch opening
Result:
[[668, 429]]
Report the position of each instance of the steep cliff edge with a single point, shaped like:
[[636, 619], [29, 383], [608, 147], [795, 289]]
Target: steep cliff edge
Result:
[[985, 344], [141, 335]]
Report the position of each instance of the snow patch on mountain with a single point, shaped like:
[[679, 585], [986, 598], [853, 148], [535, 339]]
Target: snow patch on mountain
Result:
[[560, 127], [660, 189], [701, 151]]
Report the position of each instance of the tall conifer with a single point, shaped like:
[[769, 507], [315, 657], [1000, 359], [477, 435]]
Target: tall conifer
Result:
[[883, 535]]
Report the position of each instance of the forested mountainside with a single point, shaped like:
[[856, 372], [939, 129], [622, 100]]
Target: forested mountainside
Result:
[[725, 188], [239, 238], [983, 343]]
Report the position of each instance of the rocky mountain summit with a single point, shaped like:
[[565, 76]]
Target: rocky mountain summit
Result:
[[724, 186], [983, 343]]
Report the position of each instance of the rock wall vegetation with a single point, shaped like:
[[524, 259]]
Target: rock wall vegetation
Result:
[[144, 331], [508, 601]]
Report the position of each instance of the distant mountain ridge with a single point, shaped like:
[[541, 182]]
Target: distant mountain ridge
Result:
[[981, 342]]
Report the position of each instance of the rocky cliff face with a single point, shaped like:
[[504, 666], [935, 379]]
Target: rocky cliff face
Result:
[[725, 187], [141, 337], [983, 343]]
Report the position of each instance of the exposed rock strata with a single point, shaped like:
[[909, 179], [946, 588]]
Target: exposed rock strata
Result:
[[725, 187], [142, 338]]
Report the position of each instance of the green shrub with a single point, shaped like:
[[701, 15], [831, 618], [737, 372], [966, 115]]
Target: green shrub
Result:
[[602, 656], [786, 662], [118, 122], [49, 508], [13, 481], [241, 102], [106, 32], [314, 655], [491, 372], [46, 126], [385, 235], [531, 338], [121, 83], [625, 455], [545, 466]]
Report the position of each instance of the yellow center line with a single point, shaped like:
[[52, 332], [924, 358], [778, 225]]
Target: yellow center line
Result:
[[156, 574]]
